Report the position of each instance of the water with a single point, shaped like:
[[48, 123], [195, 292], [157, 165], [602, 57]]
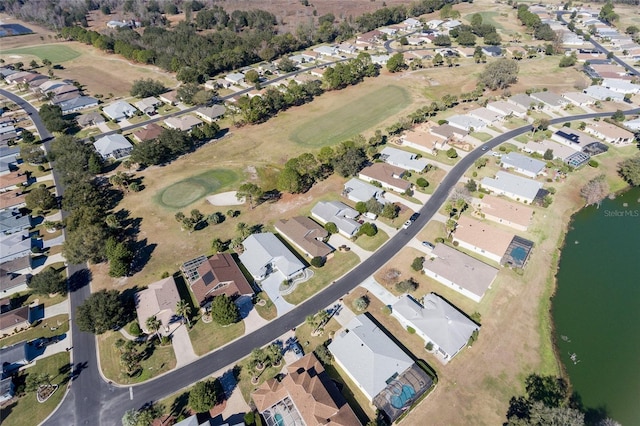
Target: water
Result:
[[596, 308]]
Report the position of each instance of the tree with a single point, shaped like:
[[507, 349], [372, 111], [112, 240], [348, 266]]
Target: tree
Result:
[[452, 153], [442, 40], [51, 116], [595, 190], [407, 286], [252, 76], [287, 65], [548, 155], [289, 180], [390, 210], [147, 87], [331, 228], [250, 192], [396, 63], [35, 380], [154, 325], [361, 303], [368, 229], [184, 310], [629, 170], [618, 116], [351, 162], [187, 92], [438, 60], [224, 311], [40, 198], [119, 255], [471, 185], [500, 74], [47, 282], [100, 312], [417, 263], [27, 136], [203, 396]]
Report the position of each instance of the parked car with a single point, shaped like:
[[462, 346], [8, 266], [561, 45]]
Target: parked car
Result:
[[410, 220], [297, 350], [428, 245]]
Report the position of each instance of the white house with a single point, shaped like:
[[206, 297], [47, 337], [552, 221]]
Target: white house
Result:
[[148, 105], [603, 94], [610, 133], [235, 78], [459, 271], [357, 190], [118, 111], [113, 146], [512, 186], [339, 213], [572, 138], [327, 51], [550, 100], [578, 98], [403, 159], [466, 122], [485, 114], [482, 238], [633, 125], [436, 321], [620, 86], [523, 164], [264, 254], [506, 109]]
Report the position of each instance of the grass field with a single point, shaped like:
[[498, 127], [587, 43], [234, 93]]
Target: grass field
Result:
[[349, 119], [190, 190], [26, 410], [487, 18], [59, 321], [54, 53]]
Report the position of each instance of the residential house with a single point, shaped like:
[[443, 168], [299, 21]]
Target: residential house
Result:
[[218, 275], [77, 104], [302, 58], [306, 235], [459, 271], [389, 31], [119, 111], [12, 221], [170, 98], [516, 50], [451, 24], [423, 139], [485, 114], [117, 24], [14, 275], [499, 210], [411, 23], [347, 48], [378, 366], [35, 80], [492, 51], [403, 159], [550, 100], [563, 152], [148, 105], [482, 238], [633, 125], [339, 213], [113, 146], [235, 78], [64, 97], [608, 68], [15, 319], [201, 419], [448, 132], [264, 254], [16, 77], [434, 23], [327, 51], [573, 138], [357, 190], [147, 133], [466, 122], [380, 59], [184, 123], [212, 113], [64, 89], [12, 180], [13, 357], [522, 164], [387, 175], [50, 85], [621, 86], [306, 395], [7, 389], [8, 133], [610, 133], [159, 299], [603, 94], [13, 246], [9, 199], [507, 109], [90, 119], [512, 186], [436, 321], [578, 98], [369, 38], [523, 101], [4, 72], [466, 52]]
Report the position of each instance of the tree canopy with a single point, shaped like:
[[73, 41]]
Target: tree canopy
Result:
[[48, 281], [224, 311], [629, 170], [203, 396], [500, 74], [147, 87], [100, 312]]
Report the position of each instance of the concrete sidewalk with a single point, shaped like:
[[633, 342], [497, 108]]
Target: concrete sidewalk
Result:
[[182, 346]]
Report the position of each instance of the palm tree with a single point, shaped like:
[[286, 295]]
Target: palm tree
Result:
[[153, 325], [183, 309]]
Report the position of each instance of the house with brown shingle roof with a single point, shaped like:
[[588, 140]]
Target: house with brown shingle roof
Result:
[[610, 133], [388, 175], [159, 299], [496, 209], [306, 235], [423, 139], [218, 275], [14, 319], [482, 238], [12, 179], [184, 123], [12, 199], [148, 132], [170, 98], [306, 395]]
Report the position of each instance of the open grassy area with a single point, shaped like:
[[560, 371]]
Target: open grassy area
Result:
[[26, 410], [55, 53], [349, 119], [190, 190], [372, 243], [244, 379], [268, 311], [60, 322], [308, 342], [207, 337], [339, 265], [159, 359], [487, 18], [481, 136]]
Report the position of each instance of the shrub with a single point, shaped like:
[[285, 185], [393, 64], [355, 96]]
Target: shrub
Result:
[[317, 262], [440, 240], [406, 286], [323, 354], [164, 275], [429, 346], [250, 418], [456, 243], [593, 163], [452, 153], [417, 263], [331, 228], [422, 182], [134, 329], [386, 310], [411, 330], [361, 303], [368, 229]]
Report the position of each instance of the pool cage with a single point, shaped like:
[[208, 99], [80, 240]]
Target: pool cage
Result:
[[402, 391]]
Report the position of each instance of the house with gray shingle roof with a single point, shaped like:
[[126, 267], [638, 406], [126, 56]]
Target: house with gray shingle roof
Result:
[[339, 213], [118, 111], [512, 186], [522, 100], [602, 94], [14, 245], [113, 146], [265, 254], [549, 99], [403, 159], [466, 122], [357, 190], [522, 164], [11, 221], [436, 321]]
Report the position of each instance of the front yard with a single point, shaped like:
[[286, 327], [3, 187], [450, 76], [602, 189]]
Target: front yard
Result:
[[372, 243], [41, 329], [207, 337]]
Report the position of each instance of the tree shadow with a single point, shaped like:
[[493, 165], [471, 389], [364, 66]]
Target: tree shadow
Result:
[[65, 372], [77, 369], [179, 406], [592, 416], [7, 409], [79, 279], [143, 253]]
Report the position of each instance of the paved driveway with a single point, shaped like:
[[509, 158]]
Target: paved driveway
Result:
[[271, 286], [379, 291], [336, 240], [182, 346]]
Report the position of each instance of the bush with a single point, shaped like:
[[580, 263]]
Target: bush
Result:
[[323, 354], [250, 418], [593, 163], [452, 153], [417, 263], [331, 228], [440, 240], [456, 243], [429, 346], [411, 330], [317, 262], [368, 229], [386, 310], [406, 286], [422, 182], [134, 329], [361, 303]]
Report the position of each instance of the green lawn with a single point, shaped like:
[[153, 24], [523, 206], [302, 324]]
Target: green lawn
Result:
[[160, 360], [338, 265], [348, 120], [481, 136], [190, 190], [515, 122], [207, 337], [372, 243], [487, 18], [26, 410], [53, 52], [267, 311], [61, 322], [244, 379]]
